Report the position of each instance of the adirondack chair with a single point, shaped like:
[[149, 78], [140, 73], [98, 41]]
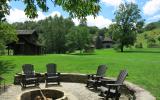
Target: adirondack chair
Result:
[[111, 89], [93, 79], [52, 75], [2, 84], [28, 75]]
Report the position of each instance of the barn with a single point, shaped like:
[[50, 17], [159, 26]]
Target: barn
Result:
[[27, 43]]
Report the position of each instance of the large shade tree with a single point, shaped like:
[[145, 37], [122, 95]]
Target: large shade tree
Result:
[[54, 30], [128, 22], [76, 8], [79, 38]]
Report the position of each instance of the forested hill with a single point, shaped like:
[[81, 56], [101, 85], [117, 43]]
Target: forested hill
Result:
[[152, 26], [150, 38]]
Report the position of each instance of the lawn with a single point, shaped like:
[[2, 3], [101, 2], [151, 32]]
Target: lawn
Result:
[[143, 65]]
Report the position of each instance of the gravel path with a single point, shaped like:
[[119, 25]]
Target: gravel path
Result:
[[74, 91]]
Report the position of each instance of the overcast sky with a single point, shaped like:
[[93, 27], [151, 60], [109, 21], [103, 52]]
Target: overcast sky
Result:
[[150, 11]]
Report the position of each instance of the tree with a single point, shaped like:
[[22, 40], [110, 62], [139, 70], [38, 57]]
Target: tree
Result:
[[76, 8], [78, 38], [127, 18], [28, 25], [4, 10], [7, 35], [100, 38], [54, 31]]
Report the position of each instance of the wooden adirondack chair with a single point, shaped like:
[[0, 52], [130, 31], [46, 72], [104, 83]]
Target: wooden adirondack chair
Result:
[[28, 75], [111, 89], [52, 75], [2, 84], [93, 79]]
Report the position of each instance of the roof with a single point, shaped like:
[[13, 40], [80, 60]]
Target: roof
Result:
[[107, 39], [25, 32]]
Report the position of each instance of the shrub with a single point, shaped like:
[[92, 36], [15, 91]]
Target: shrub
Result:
[[117, 46], [138, 45]]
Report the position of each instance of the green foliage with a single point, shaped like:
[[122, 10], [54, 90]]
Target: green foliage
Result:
[[4, 9], [128, 22], [76, 8], [93, 30], [99, 40], [79, 38], [138, 45], [100, 37], [79, 8], [117, 46], [54, 31], [28, 25], [7, 35], [149, 38]]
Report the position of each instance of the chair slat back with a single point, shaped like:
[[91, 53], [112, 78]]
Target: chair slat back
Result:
[[51, 68], [121, 77], [101, 70], [28, 69]]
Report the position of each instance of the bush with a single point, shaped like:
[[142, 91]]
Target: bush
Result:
[[116, 47], [153, 45], [2, 49], [138, 45], [89, 49]]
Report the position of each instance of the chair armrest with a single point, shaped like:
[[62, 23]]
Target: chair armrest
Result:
[[107, 81], [58, 73], [104, 81], [91, 76], [18, 73], [97, 78], [114, 85], [54, 74]]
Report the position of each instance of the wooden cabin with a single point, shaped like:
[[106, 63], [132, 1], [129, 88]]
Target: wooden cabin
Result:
[[107, 42], [26, 44]]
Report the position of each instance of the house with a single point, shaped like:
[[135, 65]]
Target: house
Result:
[[27, 43], [103, 42], [107, 42]]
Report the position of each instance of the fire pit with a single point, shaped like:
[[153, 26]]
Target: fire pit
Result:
[[44, 94]]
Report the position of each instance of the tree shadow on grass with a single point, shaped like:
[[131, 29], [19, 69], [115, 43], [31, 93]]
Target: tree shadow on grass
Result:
[[82, 54], [136, 51]]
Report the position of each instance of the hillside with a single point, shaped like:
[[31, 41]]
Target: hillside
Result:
[[150, 38]]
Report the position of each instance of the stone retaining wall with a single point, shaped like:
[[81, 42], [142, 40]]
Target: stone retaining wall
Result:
[[136, 92]]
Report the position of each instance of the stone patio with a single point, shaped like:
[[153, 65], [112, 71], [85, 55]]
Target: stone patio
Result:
[[73, 91]]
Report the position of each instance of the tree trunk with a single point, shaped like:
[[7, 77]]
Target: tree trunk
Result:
[[122, 47]]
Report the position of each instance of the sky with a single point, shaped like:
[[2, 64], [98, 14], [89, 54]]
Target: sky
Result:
[[150, 11]]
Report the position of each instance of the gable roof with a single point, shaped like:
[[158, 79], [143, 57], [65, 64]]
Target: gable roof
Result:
[[25, 32], [108, 39]]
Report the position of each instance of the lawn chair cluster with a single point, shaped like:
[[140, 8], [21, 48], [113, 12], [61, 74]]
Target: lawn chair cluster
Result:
[[29, 76], [108, 88]]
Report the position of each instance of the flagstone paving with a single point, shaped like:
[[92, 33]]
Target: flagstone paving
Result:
[[74, 91]]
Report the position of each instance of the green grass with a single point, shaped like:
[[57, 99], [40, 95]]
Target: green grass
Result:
[[143, 65]]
